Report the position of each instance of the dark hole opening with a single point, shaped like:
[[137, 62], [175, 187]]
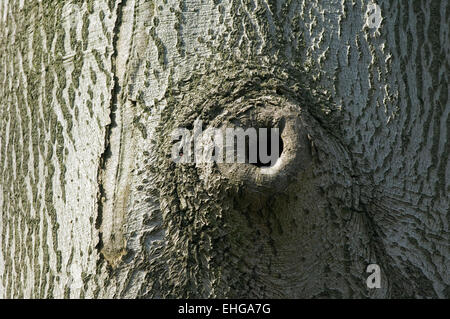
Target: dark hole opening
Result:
[[260, 163]]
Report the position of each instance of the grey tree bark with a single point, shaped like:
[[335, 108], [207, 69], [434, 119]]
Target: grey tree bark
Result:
[[92, 206]]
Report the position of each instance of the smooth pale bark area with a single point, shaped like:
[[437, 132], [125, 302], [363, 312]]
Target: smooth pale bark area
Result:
[[92, 205]]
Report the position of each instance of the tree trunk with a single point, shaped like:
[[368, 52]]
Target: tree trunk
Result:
[[93, 206]]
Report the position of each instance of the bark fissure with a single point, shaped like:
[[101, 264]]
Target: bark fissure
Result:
[[107, 153]]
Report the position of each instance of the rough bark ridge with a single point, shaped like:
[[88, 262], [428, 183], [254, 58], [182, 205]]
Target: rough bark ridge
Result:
[[92, 205]]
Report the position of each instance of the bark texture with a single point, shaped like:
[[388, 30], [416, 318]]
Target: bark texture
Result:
[[92, 205]]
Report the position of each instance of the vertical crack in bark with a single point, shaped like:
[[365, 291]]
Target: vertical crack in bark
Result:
[[106, 155]]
